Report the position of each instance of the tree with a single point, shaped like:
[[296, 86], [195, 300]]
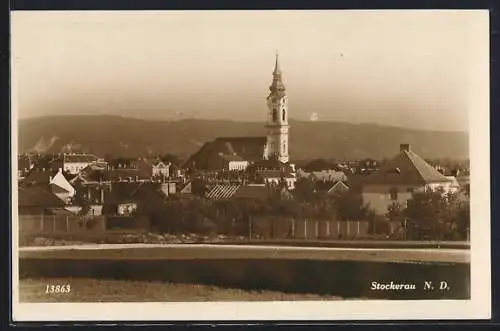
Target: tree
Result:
[[437, 215], [350, 206], [170, 158], [81, 198]]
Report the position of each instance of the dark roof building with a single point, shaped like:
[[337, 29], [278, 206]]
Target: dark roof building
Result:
[[249, 149], [406, 168], [37, 200]]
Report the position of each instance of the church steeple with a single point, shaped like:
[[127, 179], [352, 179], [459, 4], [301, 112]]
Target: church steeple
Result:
[[277, 87], [277, 123]]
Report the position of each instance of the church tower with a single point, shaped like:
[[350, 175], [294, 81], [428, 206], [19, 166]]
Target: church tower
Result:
[[277, 122]]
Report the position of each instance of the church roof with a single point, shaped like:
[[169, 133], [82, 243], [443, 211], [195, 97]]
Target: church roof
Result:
[[247, 148], [406, 168]]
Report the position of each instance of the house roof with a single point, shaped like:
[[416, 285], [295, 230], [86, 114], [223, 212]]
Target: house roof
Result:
[[36, 176], [320, 164], [222, 191], [37, 197], [271, 164], [328, 175], [256, 192], [232, 157], [79, 158], [406, 168], [454, 181], [116, 174], [23, 162], [275, 174], [57, 189], [338, 185], [248, 148]]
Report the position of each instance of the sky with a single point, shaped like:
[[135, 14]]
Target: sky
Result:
[[400, 68]]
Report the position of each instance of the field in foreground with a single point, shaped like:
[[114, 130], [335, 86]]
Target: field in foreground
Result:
[[93, 290]]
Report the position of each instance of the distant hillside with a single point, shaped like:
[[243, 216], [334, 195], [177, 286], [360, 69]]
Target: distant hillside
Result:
[[113, 135]]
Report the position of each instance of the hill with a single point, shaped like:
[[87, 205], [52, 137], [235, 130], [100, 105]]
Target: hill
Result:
[[114, 135]]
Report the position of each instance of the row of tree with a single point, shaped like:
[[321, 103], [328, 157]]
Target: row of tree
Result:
[[428, 215]]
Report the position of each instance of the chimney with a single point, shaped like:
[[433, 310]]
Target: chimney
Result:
[[404, 147]]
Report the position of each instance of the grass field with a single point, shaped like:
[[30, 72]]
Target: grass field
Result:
[[93, 290]]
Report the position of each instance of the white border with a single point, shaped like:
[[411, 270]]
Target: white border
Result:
[[478, 307]]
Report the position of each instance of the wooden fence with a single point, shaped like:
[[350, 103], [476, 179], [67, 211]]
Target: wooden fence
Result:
[[59, 224], [308, 229]]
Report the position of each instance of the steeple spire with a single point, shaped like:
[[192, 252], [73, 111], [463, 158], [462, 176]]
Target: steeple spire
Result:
[[277, 70], [277, 87]]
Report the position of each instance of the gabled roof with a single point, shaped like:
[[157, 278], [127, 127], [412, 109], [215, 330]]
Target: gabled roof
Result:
[[338, 186], [37, 197], [406, 168], [57, 189]]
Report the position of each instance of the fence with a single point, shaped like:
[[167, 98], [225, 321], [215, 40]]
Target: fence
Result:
[[59, 224], [307, 229], [66, 224]]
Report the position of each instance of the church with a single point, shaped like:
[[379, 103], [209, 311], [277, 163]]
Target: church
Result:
[[239, 153]]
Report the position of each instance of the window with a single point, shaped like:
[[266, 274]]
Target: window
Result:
[[409, 189], [393, 194], [284, 115], [275, 115]]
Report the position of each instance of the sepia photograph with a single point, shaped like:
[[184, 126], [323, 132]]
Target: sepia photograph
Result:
[[240, 165]]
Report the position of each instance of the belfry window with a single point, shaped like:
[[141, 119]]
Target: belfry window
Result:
[[275, 115], [284, 115]]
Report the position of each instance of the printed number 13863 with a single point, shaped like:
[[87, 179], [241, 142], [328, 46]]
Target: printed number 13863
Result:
[[56, 289]]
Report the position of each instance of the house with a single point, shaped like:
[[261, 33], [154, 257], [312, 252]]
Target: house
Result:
[[93, 173], [126, 207], [36, 200], [73, 163], [338, 187], [56, 182], [454, 186], [37, 177], [245, 192], [124, 197], [399, 178], [233, 162], [160, 169], [169, 188], [222, 191], [328, 176], [24, 164], [61, 187], [273, 172], [129, 170]]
